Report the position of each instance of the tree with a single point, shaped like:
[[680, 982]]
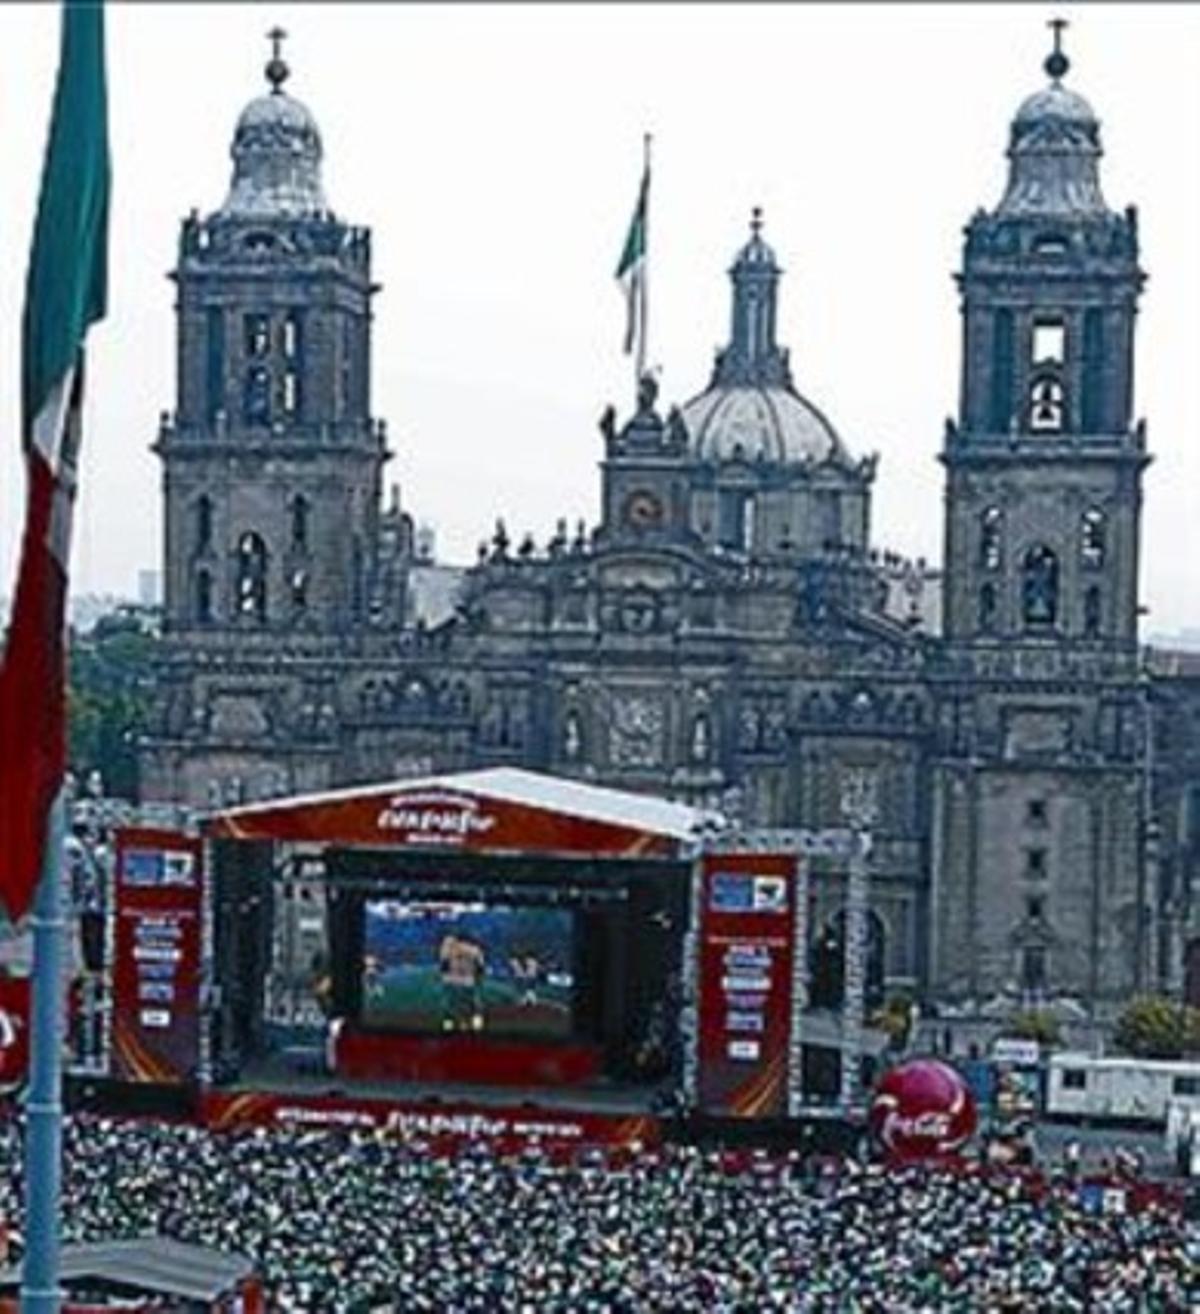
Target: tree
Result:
[[1154, 1027], [895, 1019], [1034, 1024], [108, 684]]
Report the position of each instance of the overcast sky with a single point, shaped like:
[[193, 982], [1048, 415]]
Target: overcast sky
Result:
[[495, 151]]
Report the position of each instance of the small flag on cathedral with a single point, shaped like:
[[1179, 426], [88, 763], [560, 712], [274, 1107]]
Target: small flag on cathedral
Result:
[[631, 270], [65, 292]]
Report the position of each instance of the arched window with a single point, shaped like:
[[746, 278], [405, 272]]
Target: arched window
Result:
[[252, 577], [256, 399], [572, 739], [203, 523], [991, 538], [1039, 586], [299, 589], [987, 608], [701, 746], [1049, 342], [258, 334], [300, 509], [1092, 612], [1093, 538], [827, 961], [747, 543], [1047, 405], [204, 600]]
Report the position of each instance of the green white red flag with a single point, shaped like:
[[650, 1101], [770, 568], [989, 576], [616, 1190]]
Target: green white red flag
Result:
[[631, 269], [65, 292]]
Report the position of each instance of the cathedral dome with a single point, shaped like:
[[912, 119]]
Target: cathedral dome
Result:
[[751, 410], [756, 251], [1054, 151], [752, 423], [1054, 102], [276, 155]]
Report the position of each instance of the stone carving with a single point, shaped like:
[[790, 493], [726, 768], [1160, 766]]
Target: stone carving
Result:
[[239, 717], [636, 729]]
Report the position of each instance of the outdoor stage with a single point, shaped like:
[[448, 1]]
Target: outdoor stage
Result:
[[501, 949], [494, 954]]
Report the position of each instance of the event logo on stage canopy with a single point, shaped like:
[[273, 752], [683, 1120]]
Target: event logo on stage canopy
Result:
[[747, 921], [436, 817], [156, 967]]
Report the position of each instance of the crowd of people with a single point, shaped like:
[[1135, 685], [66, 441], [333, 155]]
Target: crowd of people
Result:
[[361, 1223]]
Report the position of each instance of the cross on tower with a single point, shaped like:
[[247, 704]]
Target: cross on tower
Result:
[[756, 220], [1056, 62], [277, 69]]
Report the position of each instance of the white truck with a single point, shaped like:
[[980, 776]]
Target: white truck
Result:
[[1183, 1135], [1117, 1089]]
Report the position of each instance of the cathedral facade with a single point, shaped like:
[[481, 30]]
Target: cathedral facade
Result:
[[727, 634]]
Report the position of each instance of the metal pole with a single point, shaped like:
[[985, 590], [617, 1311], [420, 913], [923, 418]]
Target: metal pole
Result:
[[644, 282], [40, 1292], [689, 1011], [795, 1083], [858, 807]]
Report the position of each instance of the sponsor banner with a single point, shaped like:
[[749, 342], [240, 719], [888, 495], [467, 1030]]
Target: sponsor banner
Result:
[[745, 981], [1024, 1053], [156, 957], [439, 817], [70, 1307], [443, 1124]]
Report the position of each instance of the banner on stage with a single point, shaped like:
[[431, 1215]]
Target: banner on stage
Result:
[[156, 957], [442, 1124], [747, 919]]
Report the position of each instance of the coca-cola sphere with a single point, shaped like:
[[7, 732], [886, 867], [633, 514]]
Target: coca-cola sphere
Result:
[[922, 1109]]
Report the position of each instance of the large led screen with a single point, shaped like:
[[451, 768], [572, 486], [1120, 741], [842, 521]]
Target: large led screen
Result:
[[467, 967]]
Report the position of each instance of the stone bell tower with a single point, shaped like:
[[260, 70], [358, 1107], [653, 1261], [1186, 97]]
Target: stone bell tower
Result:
[[1043, 493], [272, 469], [271, 463], [1040, 869]]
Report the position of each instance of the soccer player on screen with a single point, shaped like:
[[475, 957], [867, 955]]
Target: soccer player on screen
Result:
[[372, 973], [461, 964], [526, 969]]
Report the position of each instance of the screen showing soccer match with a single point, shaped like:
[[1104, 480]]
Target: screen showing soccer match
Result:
[[467, 967]]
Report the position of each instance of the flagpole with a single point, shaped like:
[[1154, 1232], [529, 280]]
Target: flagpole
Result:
[[40, 1292], [643, 297]]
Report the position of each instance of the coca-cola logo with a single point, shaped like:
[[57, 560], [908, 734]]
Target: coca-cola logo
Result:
[[435, 817], [922, 1108], [929, 1126]]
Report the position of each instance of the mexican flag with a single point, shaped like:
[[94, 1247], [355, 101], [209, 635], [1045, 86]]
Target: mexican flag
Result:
[[65, 292], [631, 270]]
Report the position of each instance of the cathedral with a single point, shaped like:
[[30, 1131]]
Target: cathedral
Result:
[[727, 634]]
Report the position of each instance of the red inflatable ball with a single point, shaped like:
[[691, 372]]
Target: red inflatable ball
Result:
[[922, 1109]]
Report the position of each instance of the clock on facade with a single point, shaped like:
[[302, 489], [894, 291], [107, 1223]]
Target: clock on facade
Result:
[[643, 509]]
